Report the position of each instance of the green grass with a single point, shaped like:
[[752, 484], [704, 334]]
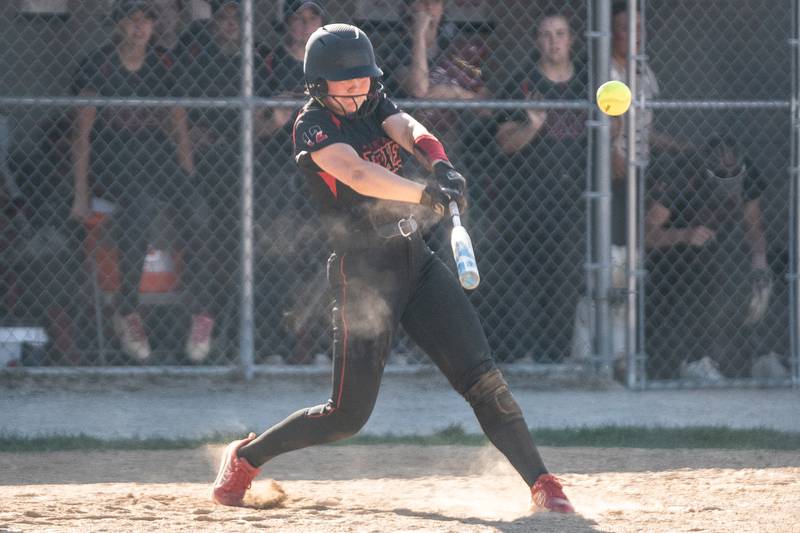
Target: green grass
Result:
[[608, 436]]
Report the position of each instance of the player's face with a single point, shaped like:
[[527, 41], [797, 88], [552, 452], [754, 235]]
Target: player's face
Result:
[[303, 23], [226, 23], [619, 40], [347, 96], [136, 29], [554, 40]]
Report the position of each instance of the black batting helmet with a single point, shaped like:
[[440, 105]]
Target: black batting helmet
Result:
[[340, 52]]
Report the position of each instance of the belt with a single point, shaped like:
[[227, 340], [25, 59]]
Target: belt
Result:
[[405, 227]]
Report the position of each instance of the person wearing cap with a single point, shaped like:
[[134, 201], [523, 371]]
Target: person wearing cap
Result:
[[209, 57], [285, 304], [350, 140], [139, 158], [283, 65]]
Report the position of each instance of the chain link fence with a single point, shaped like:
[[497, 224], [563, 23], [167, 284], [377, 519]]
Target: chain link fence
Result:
[[128, 237]]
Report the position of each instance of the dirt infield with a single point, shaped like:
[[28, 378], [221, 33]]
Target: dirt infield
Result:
[[403, 488]]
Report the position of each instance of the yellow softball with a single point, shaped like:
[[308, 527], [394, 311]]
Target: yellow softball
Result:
[[613, 98]]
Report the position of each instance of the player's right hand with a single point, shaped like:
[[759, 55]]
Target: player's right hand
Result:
[[439, 198]]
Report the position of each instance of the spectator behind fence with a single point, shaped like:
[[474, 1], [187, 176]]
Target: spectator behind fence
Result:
[[438, 61], [709, 283], [140, 158], [210, 66], [544, 178], [422, 24], [289, 235], [646, 136], [282, 70]]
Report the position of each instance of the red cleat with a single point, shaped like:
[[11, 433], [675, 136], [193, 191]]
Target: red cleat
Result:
[[235, 475], [547, 494]]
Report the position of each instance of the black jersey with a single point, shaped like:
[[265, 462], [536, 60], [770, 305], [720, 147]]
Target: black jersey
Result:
[[284, 73], [343, 210], [103, 74], [206, 71], [561, 141], [694, 198]]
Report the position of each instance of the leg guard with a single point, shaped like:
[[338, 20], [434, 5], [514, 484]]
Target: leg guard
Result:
[[492, 401], [501, 419]]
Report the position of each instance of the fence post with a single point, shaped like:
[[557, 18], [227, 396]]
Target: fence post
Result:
[[632, 334], [794, 206], [246, 341], [599, 172]]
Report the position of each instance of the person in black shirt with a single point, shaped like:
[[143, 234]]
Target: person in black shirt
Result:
[[348, 141], [289, 319], [706, 252], [139, 158], [544, 154], [210, 65], [284, 63]]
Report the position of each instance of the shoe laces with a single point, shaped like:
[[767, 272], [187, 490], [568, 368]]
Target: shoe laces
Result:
[[550, 486], [237, 478], [201, 328]]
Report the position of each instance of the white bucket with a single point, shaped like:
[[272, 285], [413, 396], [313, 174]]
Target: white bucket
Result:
[[12, 339]]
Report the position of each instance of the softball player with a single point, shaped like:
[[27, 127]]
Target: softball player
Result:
[[348, 140]]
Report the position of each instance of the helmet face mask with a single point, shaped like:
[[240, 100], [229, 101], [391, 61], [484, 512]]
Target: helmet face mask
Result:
[[319, 91], [339, 52]]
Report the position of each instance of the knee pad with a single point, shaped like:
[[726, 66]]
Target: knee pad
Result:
[[492, 401]]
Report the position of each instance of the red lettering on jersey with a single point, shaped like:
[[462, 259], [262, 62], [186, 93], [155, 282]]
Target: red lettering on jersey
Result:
[[384, 152], [330, 181]]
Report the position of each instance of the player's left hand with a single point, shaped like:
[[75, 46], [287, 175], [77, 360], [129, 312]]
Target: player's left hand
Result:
[[448, 177]]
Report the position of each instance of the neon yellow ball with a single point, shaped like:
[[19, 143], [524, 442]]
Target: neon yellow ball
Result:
[[613, 98]]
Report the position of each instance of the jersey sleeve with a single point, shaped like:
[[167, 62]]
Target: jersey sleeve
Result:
[[315, 129], [386, 108]]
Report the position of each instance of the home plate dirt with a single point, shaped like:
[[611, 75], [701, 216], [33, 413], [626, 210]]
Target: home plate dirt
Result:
[[391, 488]]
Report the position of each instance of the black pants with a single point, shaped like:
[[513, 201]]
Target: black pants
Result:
[[542, 253], [140, 174], [401, 282], [696, 300]]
